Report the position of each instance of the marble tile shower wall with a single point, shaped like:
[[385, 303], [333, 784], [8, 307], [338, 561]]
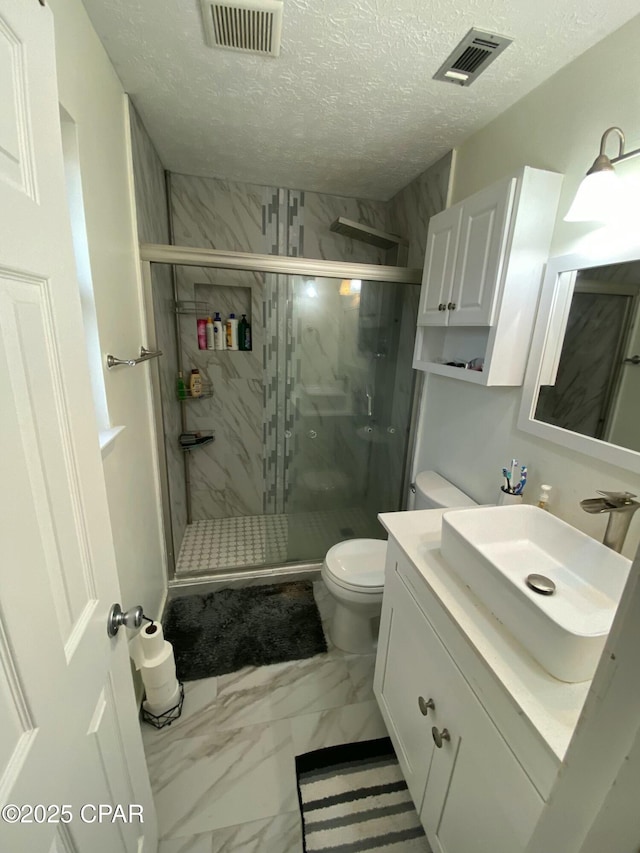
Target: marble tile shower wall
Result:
[[153, 227], [226, 477], [249, 469]]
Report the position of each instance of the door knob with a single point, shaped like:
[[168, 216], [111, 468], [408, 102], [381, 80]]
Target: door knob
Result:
[[118, 617], [425, 705], [440, 737], [451, 306]]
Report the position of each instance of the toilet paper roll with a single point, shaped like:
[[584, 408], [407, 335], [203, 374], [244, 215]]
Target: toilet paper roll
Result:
[[161, 695], [147, 645], [161, 670], [158, 708]]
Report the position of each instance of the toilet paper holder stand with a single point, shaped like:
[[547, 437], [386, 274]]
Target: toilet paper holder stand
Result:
[[131, 618]]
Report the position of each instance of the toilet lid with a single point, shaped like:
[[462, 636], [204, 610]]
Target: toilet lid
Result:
[[358, 563]]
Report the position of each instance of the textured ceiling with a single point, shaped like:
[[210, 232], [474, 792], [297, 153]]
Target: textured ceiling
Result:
[[349, 107]]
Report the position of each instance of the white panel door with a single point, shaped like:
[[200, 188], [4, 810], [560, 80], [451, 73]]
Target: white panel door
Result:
[[480, 256], [440, 257], [69, 734]]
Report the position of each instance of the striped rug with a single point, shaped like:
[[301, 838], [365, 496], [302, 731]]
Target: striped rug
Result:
[[353, 798]]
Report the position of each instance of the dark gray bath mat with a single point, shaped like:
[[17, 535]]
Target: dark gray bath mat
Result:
[[250, 626], [354, 797]]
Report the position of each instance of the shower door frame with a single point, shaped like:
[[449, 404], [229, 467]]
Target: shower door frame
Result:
[[158, 253]]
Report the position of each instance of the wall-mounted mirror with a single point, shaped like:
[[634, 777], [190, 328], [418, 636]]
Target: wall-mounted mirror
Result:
[[582, 388]]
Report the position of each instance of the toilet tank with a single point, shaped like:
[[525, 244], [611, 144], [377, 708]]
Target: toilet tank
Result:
[[434, 492]]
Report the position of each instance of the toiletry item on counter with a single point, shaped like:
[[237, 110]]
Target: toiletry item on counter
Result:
[[505, 498], [195, 383], [210, 336], [202, 334], [543, 498], [512, 487], [232, 332], [181, 388], [244, 334], [219, 333]]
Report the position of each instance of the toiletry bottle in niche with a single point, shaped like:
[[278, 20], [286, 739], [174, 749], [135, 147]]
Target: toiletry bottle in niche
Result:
[[244, 334], [543, 499], [181, 388], [219, 333], [232, 332], [210, 335], [195, 383], [202, 334]]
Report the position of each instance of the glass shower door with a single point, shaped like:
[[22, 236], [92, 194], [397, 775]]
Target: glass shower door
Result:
[[347, 413]]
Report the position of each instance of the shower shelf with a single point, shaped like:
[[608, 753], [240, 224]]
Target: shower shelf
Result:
[[206, 437], [203, 309], [207, 392]]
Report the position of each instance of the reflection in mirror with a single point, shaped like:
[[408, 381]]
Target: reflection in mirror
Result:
[[597, 384]]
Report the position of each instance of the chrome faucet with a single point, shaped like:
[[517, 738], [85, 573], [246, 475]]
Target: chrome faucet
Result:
[[621, 507]]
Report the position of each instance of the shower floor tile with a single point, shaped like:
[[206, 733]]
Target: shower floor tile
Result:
[[254, 540]]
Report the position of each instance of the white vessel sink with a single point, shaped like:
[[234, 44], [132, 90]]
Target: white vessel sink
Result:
[[494, 549]]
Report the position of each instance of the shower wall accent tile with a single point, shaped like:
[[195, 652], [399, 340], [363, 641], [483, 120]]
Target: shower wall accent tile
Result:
[[153, 227]]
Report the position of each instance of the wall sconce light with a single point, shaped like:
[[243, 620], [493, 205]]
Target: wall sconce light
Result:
[[600, 196]]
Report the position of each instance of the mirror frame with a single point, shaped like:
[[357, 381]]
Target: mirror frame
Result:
[[544, 355]]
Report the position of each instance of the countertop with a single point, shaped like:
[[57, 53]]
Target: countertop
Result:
[[551, 706]]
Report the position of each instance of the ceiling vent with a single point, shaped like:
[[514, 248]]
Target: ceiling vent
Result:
[[472, 56], [252, 26]]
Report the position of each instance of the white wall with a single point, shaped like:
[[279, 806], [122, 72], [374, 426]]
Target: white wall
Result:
[[469, 432], [93, 96]]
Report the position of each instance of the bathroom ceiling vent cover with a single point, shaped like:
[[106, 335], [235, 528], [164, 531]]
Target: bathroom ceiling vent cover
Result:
[[252, 26], [471, 57]]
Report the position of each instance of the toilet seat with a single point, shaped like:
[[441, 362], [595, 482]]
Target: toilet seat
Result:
[[357, 565]]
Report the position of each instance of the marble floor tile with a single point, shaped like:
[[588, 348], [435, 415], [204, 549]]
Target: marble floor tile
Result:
[[279, 834], [349, 724], [223, 778], [199, 699], [361, 669], [257, 695]]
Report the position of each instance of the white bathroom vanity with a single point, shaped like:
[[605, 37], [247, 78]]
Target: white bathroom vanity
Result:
[[480, 728]]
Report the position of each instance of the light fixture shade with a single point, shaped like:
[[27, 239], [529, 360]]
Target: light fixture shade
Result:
[[600, 198]]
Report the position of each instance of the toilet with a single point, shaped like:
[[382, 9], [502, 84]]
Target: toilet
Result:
[[353, 571]]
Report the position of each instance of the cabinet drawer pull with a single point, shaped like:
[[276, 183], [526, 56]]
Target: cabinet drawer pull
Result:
[[442, 307], [451, 306], [425, 705], [439, 737]]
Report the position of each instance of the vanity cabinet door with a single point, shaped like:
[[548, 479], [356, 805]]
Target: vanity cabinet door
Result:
[[440, 257], [404, 684], [481, 254], [483, 800]]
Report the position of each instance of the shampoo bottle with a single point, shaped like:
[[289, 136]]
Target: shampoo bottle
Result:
[[232, 332], [202, 334], [210, 338], [195, 383], [219, 332], [244, 334]]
